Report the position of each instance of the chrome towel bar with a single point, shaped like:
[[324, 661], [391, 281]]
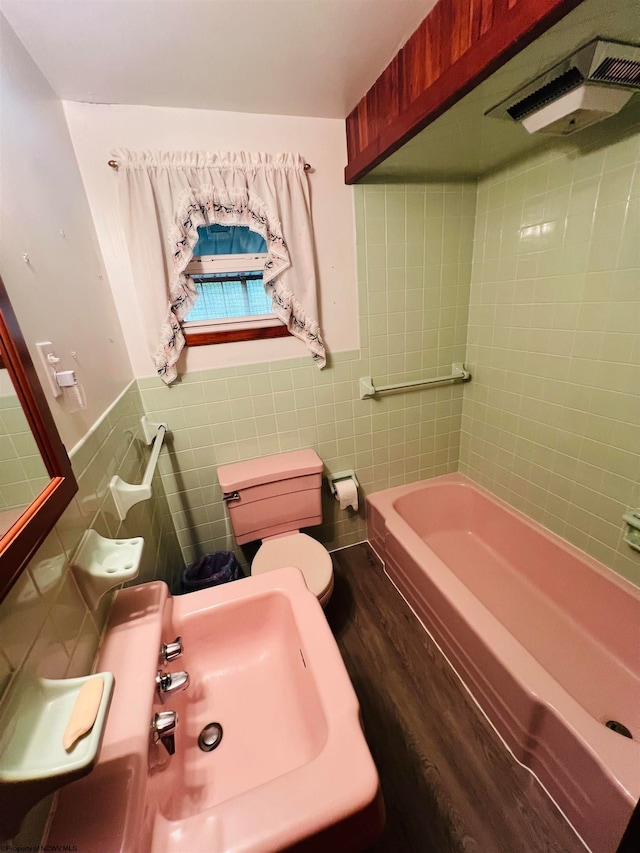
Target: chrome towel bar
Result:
[[368, 390]]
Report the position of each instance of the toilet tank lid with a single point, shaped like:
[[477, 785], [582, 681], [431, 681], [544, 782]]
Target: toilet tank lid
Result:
[[268, 469]]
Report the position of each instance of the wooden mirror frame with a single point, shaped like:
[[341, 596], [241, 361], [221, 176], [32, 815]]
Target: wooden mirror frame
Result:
[[24, 537]]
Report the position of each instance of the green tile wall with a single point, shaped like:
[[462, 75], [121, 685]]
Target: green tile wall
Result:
[[45, 624], [544, 256], [551, 421], [117, 447], [24, 475], [414, 267]]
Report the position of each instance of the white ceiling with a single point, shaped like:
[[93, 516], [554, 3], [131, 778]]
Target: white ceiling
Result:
[[287, 57]]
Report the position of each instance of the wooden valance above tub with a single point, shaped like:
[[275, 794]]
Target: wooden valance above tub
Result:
[[457, 46]]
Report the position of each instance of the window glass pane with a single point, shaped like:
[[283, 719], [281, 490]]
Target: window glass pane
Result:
[[229, 298], [228, 240], [234, 298], [228, 294], [259, 302]]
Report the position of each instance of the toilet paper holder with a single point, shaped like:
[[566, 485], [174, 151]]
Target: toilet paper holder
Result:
[[332, 479]]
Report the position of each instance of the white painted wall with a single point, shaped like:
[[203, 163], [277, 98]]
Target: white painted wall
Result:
[[62, 294], [96, 129]]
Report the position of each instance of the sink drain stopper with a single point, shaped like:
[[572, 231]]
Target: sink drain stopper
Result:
[[210, 737]]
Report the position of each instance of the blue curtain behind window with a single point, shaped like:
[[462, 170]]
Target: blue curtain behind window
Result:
[[228, 240]]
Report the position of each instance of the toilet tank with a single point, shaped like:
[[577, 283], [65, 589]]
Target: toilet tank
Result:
[[273, 494]]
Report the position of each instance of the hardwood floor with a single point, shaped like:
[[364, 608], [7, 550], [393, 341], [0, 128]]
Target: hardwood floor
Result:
[[448, 782]]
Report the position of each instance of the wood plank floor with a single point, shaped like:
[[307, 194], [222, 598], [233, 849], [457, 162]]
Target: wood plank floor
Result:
[[448, 782]]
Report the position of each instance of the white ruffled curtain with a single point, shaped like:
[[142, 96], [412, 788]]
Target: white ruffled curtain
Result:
[[166, 196]]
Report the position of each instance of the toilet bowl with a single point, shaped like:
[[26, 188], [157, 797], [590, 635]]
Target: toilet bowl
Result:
[[271, 499]]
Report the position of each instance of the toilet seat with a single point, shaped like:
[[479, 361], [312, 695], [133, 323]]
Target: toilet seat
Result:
[[299, 550]]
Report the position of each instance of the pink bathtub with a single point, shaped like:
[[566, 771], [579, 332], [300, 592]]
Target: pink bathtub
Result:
[[546, 638]]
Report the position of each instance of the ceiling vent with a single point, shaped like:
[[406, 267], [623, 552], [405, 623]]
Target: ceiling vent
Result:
[[592, 84]]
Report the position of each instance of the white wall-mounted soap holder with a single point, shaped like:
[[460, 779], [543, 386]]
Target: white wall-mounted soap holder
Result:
[[632, 532], [101, 564], [33, 759]]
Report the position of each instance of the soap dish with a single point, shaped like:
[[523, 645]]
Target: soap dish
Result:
[[100, 564], [32, 725], [632, 532]]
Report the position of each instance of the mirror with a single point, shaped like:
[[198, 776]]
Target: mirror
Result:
[[37, 482], [23, 474]]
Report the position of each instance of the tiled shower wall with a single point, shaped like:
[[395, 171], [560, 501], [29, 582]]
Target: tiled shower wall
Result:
[[551, 420], [414, 262]]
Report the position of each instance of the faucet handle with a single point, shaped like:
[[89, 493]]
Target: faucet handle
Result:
[[171, 651], [164, 723], [163, 729]]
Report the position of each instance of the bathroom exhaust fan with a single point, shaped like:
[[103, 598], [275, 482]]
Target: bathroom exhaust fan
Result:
[[592, 84]]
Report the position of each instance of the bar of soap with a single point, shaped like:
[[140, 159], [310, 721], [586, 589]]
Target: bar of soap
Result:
[[84, 711]]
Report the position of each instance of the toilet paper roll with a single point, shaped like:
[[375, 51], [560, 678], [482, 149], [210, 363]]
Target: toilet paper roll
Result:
[[346, 494]]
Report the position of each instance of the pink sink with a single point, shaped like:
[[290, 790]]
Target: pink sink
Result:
[[292, 767]]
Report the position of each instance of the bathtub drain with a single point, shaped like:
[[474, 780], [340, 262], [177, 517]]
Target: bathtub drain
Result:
[[210, 737], [615, 726]]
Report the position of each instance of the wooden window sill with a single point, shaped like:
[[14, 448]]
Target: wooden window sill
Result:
[[227, 336]]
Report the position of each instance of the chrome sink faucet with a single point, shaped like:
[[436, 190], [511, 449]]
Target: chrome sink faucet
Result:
[[168, 683], [171, 651], [163, 729]]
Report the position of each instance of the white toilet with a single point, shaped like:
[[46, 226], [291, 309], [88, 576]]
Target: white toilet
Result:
[[271, 498]]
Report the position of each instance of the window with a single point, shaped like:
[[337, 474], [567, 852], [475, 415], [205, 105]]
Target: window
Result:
[[181, 192], [227, 266]]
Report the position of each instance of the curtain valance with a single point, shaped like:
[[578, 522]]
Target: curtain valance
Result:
[[166, 196]]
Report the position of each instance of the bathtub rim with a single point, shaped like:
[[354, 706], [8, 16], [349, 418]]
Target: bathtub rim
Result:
[[379, 500]]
